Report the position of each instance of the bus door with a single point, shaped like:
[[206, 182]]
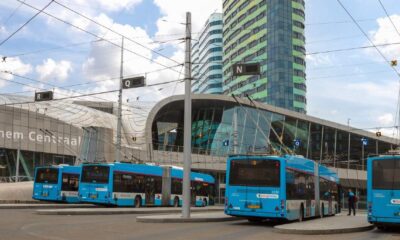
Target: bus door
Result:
[[149, 190], [308, 207]]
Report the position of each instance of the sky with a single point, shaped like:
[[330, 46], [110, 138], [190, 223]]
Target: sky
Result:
[[356, 86]]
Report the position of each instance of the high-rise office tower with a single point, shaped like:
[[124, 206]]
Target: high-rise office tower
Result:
[[270, 32], [207, 57]]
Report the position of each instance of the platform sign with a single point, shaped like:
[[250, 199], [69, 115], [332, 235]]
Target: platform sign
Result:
[[297, 142], [44, 96], [133, 82], [242, 69], [364, 141], [225, 143]]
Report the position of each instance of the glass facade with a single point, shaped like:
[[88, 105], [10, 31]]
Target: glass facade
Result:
[[270, 32], [207, 57], [223, 128]]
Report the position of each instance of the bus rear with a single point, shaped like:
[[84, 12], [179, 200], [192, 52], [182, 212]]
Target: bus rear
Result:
[[94, 184], [46, 185], [384, 190], [254, 187]]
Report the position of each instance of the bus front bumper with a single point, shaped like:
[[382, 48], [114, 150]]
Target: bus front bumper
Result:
[[384, 220]]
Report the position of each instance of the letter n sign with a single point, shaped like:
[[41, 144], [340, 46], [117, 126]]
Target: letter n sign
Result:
[[246, 69]]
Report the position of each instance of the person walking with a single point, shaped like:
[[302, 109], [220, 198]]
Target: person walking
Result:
[[352, 202]]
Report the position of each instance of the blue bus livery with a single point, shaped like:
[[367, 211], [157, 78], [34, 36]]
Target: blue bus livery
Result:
[[127, 184], [57, 183], [287, 188], [383, 190]]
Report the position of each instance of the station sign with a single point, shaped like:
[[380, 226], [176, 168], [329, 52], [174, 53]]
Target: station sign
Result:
[[134, 82], [44, 96], [246, 69]]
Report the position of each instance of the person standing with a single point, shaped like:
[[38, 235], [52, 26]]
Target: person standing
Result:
[[352, 202]]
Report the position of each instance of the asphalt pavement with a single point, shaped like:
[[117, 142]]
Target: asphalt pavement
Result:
[[17, 224]]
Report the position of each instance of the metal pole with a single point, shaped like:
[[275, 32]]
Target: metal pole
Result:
[[188, 122], [17, 166], [119, 124]]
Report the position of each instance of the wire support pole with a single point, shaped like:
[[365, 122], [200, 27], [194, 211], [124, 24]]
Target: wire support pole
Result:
[[119, 124], [187, 122]]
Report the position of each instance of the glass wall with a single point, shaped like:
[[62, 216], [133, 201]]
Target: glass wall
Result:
[[223, 129], [28, 160]]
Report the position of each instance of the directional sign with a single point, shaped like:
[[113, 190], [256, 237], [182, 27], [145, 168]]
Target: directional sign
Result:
[[133, 82], [364, 141], [297, 142], [225, 143], [246, 69], [43, 96]]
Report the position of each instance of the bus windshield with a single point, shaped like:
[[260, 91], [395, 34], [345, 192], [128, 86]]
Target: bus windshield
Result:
[[47, 175], [386, 174], [261, 173], [95, 174]]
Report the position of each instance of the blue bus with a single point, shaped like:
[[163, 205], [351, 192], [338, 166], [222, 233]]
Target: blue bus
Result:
[[383, 190], [57, 183], [127, 184], [286, 187]]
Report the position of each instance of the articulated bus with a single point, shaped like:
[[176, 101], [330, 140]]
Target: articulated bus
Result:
[[127, 184], [57, 183], [383, 190], [262, 187]]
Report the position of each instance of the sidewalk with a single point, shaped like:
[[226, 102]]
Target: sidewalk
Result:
[[329, 225], [115, 210], [194, 218]]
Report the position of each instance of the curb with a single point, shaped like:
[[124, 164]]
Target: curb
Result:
[[117, 212], [323, 231], [151, 219], [43, 206]]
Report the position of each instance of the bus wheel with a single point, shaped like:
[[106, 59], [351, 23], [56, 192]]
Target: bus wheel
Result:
[[138, 202], [176, 202], [322, 214], [301, 213]]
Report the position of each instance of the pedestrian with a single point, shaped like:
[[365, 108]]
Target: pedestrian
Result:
[[352, 202]]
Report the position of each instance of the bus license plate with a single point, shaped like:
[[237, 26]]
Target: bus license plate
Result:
[[45, 194], [93, 196], [253, 206]]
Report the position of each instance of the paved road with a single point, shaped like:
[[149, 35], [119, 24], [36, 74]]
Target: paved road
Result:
[[18, 224]]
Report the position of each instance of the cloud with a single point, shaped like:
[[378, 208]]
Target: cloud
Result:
[[174, 13], [51, 69], [13, 65], [103, 63], [387, 34], [386, 119]]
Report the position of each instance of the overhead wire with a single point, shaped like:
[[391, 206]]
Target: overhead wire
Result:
[[95, 35], [26, 23]]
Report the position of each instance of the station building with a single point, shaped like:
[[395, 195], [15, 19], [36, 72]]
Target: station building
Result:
[[71, 132]]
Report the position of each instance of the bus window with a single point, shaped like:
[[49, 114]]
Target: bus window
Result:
[[299, 185], [258, 173], [95, 174], [128, 182], [386, 174], [176, 186], [70, 182], [47, 175]]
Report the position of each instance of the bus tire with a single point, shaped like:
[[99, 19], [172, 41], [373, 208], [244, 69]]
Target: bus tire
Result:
[[205, 202], [322, 213], [301, 213], [138, 202], [176, 202]]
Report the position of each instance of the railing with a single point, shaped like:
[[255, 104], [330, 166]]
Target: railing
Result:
[[14, 179]]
